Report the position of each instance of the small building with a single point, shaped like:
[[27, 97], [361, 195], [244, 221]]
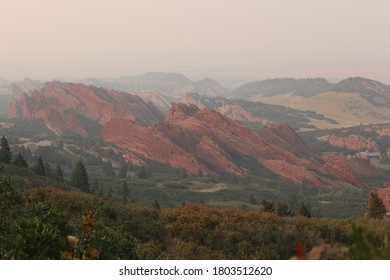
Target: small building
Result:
[[369, 155]]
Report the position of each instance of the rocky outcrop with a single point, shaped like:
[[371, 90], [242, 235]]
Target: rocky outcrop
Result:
[[352, 142], [238, 113], [67, 108], [285, 137], [205, 140], [385, 131]]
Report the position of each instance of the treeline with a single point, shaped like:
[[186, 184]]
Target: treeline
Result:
[[30, 170]]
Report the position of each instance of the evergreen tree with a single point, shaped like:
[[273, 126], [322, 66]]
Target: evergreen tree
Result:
[[58, 176], [39, 168], [5, 151], [281, 209], [122, 170], [23, 151], [19, 161], [108, 169], [79, 178], [142, 174], [48, 170], [375, 208], [110, 191], [28, 156], [125, 192], [267, 206], [156, 205], [95, 186], [252, 199], [304, 210], [183, 174]]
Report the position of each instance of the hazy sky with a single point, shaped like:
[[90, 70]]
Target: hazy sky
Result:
[[220, 38]]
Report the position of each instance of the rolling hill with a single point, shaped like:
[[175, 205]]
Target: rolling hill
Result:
[[350, 102]]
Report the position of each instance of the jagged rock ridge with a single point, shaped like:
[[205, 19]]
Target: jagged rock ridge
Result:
[[204, 140], [63, 106]]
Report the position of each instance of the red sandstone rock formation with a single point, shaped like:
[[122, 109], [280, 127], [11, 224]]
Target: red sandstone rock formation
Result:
[[285, 137], [384, 131], [60, 106], [206, 140], [352, 142]]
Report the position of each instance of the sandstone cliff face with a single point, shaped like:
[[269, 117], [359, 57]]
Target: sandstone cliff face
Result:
[[352, 142], [383, 131], [285, 137], [62, 107], [204, 140]]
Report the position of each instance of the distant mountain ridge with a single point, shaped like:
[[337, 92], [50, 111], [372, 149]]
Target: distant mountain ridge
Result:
[[271, 87], [350, 102], [311, 86], [169, 84], [256, 114]]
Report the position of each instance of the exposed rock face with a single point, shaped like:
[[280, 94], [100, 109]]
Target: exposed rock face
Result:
[[204, 140], [339, 166], [285, 137], [192, 101], [352, 142], [383, 131], [65, 107], [238, 113], [384, 194], [162, 102]]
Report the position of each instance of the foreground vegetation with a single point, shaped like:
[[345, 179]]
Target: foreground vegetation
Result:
[[49, 223]]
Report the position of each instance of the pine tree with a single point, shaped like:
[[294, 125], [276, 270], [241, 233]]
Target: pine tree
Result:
[[39, 168], [252, 199], [142, 174], [80, 178], [19, 161], [183, 174], [125, 192], [108, 169], [267, 206], [5, 151], [29, 156], [281, 209], [48, 170], [95, 186], [375, 208], [304, 210], [156, 205], [122, 171], [58, 175], [110, 191]]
